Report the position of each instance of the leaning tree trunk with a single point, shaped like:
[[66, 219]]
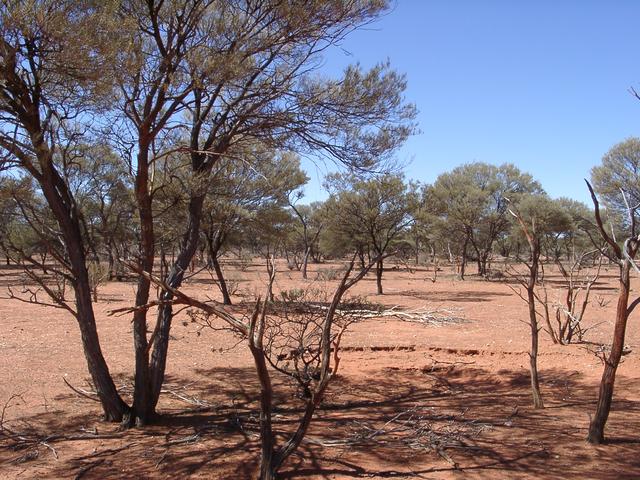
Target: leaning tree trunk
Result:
[[59, 200], [226, 298], [605, 394], [174, 280], [214, 243], [305, 261]]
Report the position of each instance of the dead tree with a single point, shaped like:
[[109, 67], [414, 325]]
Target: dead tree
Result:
[[567, 314], [624, 256]]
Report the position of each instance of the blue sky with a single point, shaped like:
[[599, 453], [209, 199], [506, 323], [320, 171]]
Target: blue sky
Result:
[[543, 85]]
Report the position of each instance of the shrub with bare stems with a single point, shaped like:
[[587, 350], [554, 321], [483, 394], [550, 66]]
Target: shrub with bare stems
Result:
[[297, 337]]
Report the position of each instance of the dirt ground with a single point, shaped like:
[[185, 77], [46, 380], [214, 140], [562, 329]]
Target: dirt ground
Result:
[[449, 401]]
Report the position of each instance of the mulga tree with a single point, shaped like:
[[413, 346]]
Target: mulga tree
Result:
[[241, 72], [224, 73], [52, 72], [308, 229], [368, 214], [471, 200], [251, 189]]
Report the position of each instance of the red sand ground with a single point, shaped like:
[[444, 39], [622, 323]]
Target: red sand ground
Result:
[[411, 401]]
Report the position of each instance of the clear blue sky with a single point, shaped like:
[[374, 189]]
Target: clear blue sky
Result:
[[543, 85]]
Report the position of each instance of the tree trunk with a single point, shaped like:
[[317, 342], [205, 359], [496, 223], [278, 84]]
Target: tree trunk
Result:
[[361, 257], [605, 394], [214, 243], [112, 404], [533, 354], [463, 264], [226, 298], [379, 270], [305, 262], [143, 409], [268, 470], [111, 263], [174, 280], [483, 264], [533, 322], [59, 200]]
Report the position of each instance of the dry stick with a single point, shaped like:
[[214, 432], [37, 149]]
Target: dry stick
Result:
[[81, 473], [82, 393]]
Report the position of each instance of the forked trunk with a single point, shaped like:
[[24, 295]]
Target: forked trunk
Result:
[[165, 311]]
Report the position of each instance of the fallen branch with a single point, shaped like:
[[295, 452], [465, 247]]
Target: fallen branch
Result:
[[434, 317]]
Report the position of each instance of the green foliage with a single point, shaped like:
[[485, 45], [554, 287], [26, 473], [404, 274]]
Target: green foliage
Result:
[[470, 203], [365, 214], [618, 177]]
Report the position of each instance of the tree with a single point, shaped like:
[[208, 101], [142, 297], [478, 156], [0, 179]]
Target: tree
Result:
[[241, 72], [624, 256], [368, 215], [51, 74], [294, 337], [309, 229], [536, 216], [617, 179], [471, 201], [197, 79], [247, 196]]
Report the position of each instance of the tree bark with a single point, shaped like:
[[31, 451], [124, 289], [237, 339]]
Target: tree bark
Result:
[[533, 320], [267, 470], [174, 280], [226, 298], [64, 209], [143, 409], [605, 393], [533, 354], [379, 270], [112, 404], [305, 261]]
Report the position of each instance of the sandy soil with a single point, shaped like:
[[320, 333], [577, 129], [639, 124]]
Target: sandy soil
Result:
[[411, 401]]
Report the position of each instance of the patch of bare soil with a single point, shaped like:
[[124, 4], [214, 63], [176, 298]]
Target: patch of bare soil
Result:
[[442, 400]]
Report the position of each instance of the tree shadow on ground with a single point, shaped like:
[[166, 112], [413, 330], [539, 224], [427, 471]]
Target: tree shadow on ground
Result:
[[400, 422]]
